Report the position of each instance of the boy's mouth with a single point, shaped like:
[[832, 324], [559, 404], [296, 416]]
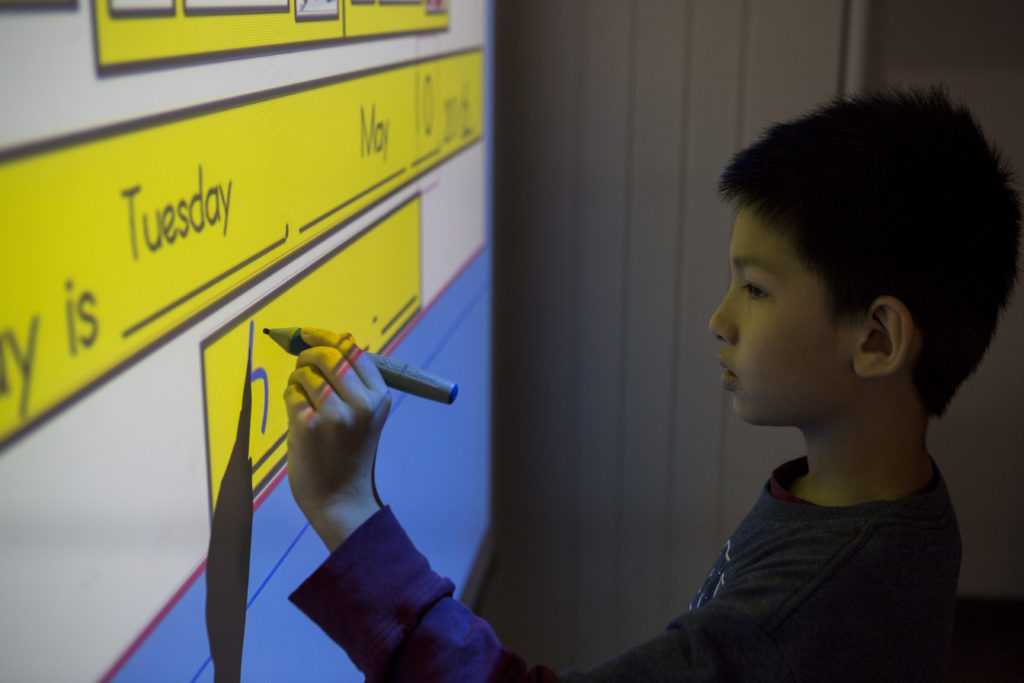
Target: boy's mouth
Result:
[[729, 378]]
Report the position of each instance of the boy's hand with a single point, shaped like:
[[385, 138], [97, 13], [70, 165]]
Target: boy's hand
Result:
[[337, 405]]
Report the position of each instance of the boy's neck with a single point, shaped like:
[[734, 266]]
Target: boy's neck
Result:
[[881, 456]]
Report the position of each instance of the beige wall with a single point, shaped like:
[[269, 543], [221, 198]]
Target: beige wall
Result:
[[619, 466]]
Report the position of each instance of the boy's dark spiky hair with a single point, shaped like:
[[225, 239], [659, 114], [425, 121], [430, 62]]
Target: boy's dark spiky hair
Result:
[[894, 193]]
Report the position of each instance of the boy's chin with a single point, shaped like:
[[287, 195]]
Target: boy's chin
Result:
[[753, 415]]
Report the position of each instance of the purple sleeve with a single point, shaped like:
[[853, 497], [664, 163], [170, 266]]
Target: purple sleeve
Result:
[[377, 597]]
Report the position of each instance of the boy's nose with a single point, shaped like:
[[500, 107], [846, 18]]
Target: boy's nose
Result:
[[719, 326]]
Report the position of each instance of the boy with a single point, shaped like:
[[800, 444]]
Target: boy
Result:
[[874, 246]]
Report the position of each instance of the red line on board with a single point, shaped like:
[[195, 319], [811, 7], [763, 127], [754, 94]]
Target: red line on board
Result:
[[444, 290], [154, 622]]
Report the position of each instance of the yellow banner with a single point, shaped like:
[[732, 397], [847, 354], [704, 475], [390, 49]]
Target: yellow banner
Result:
[[134, 33], [115, 241], [369, 288]]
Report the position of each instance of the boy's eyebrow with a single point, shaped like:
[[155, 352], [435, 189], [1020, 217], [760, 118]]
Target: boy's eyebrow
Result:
[[744, 262]]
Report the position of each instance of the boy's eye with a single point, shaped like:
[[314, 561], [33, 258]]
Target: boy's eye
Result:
[[754, 291]]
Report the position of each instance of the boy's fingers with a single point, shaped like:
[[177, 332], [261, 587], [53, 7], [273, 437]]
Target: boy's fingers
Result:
[[300, 410], [328, 362], [367, 370], [315, 336], [319, 393], [346, 344]]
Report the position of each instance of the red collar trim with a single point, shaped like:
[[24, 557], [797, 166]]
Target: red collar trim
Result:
[[783, 476]]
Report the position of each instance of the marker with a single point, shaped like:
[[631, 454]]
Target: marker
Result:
[[396, 374]]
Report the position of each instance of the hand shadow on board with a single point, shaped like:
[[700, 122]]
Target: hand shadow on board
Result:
[[227, 559]]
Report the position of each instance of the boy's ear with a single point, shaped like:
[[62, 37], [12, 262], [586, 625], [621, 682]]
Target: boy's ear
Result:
[[887, 341]]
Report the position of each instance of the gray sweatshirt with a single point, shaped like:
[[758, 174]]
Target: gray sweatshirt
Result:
[[809, 593]]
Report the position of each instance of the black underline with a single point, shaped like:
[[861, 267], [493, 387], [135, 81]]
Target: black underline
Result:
[[398, 315], [345, 203], [177, 302], [434, 152], [256, 465]]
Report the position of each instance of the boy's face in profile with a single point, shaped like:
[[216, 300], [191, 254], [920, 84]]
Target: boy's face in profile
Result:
[[786, 363]]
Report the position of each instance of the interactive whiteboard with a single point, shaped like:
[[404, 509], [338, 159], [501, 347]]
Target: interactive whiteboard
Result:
[[175, 174]]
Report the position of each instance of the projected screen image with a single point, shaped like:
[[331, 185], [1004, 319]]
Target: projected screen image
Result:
[[176, 176]]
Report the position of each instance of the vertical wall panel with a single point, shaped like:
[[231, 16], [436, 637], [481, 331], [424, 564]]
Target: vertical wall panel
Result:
[[536, 109], [598, 292], [793, 59], [654, 182], [712, 103]]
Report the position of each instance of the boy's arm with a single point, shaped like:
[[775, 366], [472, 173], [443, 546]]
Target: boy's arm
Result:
[[377, 597]]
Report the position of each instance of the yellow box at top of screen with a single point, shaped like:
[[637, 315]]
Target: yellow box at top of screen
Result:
[[173, 35]]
